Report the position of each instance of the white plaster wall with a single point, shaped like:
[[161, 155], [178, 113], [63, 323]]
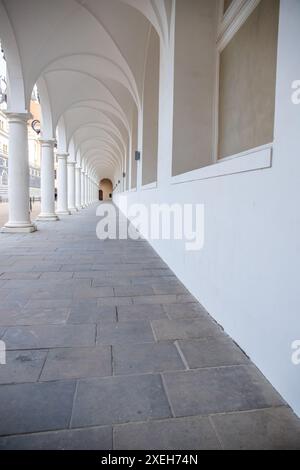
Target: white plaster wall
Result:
[[247, 275]]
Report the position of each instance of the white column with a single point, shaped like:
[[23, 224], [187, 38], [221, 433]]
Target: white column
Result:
[[86, 189], [47, 182], [62, 185], [71, 187], [83, 189], [18, 175], [78, 188]]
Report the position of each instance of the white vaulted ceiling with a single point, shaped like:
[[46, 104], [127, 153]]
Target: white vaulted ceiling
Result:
[[88, 59]]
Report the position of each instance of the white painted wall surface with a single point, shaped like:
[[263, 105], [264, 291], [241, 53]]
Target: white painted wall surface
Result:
[[247, 276]]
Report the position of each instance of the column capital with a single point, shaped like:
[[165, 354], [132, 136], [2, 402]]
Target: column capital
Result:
[[18, 117], [78, 167], [62, 156], [47, 142], [71, 164]]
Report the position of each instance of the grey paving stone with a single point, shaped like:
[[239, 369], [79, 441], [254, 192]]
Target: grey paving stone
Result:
[[50, 336], [146, 358], [28, 317], [269, 429], [185, 311], [155, 299], [114, 301], [56, 276], [133, 291], [93, 292], [219, 390], [49, 303], [119, 400], [77, 363], [46, 267], [168, 330], [20, 276], [71, 268], [212, 352], [125, 332], [140, 312], [194, 433], [169, 288], [75, 439], [151, 280], [22, 366], [88, 312], [109, 282], [186, 299], [26, 408]]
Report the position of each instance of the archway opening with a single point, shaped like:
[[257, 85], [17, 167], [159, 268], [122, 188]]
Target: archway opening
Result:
[[106, 187]]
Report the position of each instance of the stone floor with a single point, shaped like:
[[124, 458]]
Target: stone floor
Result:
[[107, 350]]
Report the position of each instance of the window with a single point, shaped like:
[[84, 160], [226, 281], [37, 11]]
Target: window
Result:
[[5, 149], [194, 75], [151, 110], [247, 79]]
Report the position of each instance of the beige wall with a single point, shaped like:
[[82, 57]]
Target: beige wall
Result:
[[195, 47], [150, 110], [247, 83], [107, 188]]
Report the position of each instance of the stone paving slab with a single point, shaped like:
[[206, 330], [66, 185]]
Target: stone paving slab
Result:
[[50, 336], [219, 390], [212, 352], [124, 333], [270, 429], [22, 366], [184, 311], [75, 439], [28, 317], [146, 358], [89, 312], [26, 408], [140, 312], [168, 330], [194, 433], [76, 363], [119, 400]]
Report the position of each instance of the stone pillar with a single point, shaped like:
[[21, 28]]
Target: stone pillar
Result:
[[86, 189], [18, 176], [90, 198], [78, 188], [71, 187], [83, 189], [62, 185], [47, 182]]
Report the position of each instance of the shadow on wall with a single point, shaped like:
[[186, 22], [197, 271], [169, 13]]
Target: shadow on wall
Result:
[[106, 189]]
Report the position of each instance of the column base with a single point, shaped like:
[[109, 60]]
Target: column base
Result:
[[14, 228], [63, 213], [47, 218], [73, 210]]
